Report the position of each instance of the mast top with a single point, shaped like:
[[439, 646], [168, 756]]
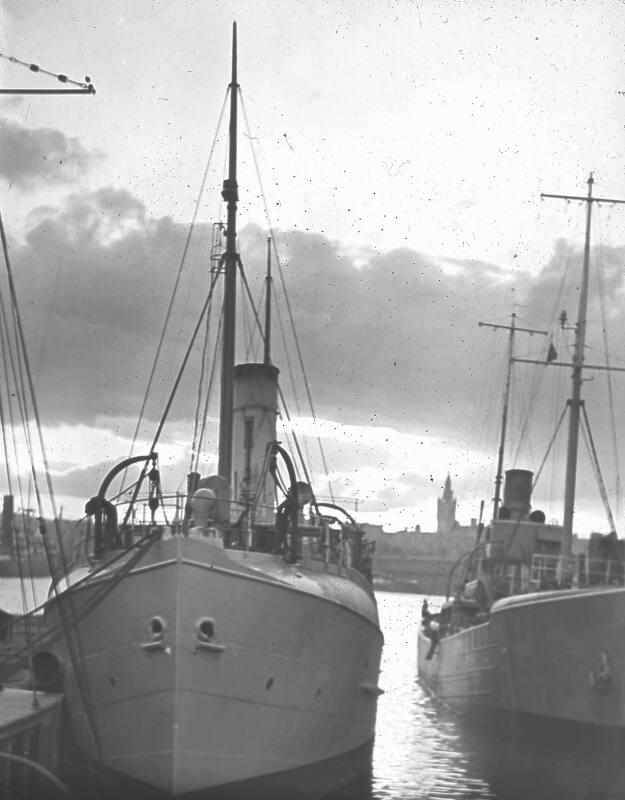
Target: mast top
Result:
[[233, 82]]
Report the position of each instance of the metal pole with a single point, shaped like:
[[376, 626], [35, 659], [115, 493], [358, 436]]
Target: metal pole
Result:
[[230, 194], [575, 403]]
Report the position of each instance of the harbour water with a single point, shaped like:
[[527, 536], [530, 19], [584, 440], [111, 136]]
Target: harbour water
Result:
[[425, 752]]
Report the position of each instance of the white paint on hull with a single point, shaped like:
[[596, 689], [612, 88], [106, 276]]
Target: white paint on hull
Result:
[[286, 691]]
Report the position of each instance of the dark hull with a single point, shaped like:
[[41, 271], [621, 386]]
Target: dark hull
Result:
[[555, 655]]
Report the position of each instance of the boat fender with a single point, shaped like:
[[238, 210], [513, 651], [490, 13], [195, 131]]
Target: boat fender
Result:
[[602, 680], [48, 671]]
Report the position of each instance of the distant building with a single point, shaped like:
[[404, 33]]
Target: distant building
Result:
[[417, 560], [446, 509]]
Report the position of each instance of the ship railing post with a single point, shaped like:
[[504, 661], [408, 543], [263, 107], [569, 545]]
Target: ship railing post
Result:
[[341, 553], [326, 544], [575, 572], [607, 572]]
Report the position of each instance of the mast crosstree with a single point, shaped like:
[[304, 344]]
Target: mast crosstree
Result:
[[575, 403], [513, 328]]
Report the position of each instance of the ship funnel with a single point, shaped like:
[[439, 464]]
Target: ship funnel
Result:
[[254, 427], [517, 494]]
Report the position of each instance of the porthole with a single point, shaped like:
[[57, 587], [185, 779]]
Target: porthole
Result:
[[156, 628], [205, 627]]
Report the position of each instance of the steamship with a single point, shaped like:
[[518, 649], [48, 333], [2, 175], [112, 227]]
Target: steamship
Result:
[[534, 630], [235, 647]]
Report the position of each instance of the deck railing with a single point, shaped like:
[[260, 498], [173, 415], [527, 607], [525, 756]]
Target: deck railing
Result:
[[548, 571]]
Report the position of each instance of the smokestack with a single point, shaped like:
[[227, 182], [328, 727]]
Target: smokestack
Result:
[[517, 493], [254, 425]]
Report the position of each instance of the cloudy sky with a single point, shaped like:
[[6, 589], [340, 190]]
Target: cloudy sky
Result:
[[402, 146]]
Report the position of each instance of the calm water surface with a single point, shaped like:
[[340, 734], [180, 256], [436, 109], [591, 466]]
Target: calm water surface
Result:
[[423, 751]]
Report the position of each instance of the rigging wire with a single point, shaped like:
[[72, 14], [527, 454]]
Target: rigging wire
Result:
[[549, 446], [590, 443], [176, 285], [602, 298], [199, 414], [8, 349], [289, 366], [286, 297], [200, 388], [303, 463], [76, 654], [173, 393], [209, 392], [538, 376]]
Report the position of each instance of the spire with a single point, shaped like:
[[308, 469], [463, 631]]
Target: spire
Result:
[[446, 509]]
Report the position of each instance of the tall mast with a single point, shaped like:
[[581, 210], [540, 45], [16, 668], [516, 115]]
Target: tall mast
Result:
[[267, 354], [512, 328], [576, 402], [230, 194], [504, 419]]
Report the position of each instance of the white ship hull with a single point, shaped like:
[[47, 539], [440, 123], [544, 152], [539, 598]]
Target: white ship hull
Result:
[[553, 655], [289, 678]]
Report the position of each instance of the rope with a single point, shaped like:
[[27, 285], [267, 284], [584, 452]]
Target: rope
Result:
[[280, 394], [595, 462], [292, 378], [5, 336], [200, 388], [172, 394], [142, 547], [208, 392], [538, 375], [549, 446], [176, 285], [615, 450], [286, 297], [81, 679]]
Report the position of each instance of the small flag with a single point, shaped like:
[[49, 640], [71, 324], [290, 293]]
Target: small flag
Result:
[[552, 353]]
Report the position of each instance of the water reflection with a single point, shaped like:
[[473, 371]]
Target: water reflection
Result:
[[425, 752], [416, 755]]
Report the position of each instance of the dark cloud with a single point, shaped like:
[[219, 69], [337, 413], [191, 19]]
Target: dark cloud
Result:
[[94, 280], [30, 156], [388, 339], [391, 341]]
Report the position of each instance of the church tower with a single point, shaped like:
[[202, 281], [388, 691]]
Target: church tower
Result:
[[446, 509]]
